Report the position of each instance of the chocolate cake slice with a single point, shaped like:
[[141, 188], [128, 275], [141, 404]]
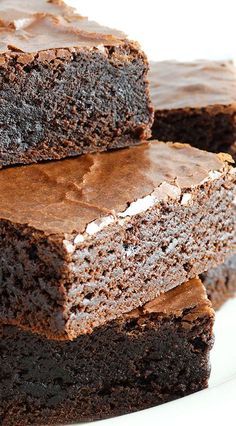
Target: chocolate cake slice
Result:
[[83, 241], [154, 354], [195, 102], [220, 282], [67, 85]]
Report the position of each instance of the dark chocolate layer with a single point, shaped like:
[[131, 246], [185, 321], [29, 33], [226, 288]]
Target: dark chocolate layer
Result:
[[125, 366]]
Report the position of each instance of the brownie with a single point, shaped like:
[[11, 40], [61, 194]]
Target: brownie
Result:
[[154, 354], [220, 282], [85, 240], [67, 85], [195, 102]]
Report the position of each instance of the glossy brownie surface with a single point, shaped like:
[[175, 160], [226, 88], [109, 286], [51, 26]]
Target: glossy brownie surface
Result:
[[194, 84], [43, 25], [90, 192]]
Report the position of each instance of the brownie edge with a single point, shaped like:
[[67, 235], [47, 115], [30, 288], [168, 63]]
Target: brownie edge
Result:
[[220, 282]]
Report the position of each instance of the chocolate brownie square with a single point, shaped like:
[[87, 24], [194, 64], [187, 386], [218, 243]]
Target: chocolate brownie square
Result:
[[154, 354], [84, 240], [195, 102], [67, 85]]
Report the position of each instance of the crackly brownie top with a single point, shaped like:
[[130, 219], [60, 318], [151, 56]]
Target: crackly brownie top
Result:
[[189, 298], [86, 193], [192, 84], [40, 25]]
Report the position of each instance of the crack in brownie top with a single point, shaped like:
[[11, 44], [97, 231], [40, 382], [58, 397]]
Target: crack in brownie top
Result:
[[47, 25], [64, 197], [195, 84]]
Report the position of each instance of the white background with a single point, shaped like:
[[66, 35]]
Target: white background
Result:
[[171, 29], [183, 30]]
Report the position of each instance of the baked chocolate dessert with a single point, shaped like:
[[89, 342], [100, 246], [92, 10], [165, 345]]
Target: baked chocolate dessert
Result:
[[195, 102], [220, 282], [152, 355], [83, 241], [67, 85]]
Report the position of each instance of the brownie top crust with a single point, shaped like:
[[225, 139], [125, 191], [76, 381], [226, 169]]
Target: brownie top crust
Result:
[[189, 295], [192, 84], [86, 194], [43, 25]]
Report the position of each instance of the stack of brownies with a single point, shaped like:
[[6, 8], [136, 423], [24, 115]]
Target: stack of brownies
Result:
[[102, 311]]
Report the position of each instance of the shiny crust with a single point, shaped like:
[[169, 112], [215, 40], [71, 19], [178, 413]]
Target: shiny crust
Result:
[[198, 84], [65, 197], [49, 24]]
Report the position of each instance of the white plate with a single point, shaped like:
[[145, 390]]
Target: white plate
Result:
[[211, 406]]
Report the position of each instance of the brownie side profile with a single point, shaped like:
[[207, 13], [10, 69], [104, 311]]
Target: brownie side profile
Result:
[[152, 355], [220, 282], [85, 240], [195, 102], [68, 86]]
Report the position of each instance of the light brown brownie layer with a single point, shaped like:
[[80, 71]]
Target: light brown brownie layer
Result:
[[85, 240]]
